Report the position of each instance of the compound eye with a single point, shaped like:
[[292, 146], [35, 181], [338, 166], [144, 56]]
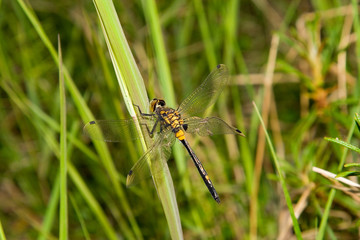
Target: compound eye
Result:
[[161, 102]]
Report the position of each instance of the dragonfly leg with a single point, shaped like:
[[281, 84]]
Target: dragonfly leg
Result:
[[153, 129], [151, 132], [143, 114]]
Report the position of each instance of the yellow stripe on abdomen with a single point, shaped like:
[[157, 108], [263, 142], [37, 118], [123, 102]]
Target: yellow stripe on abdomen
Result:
[[180, 135]]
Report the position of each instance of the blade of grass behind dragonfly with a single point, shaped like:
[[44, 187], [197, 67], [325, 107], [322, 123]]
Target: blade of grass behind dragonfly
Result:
[[101, 147], [63, 229], [133, 90], [205, 34], [184, 33], [281, 177], [166, 190], [167, 89], [231, 48], [207, 37], [51, 210]]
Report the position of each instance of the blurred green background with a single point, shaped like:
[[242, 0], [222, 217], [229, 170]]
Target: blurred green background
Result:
[[299, 61]]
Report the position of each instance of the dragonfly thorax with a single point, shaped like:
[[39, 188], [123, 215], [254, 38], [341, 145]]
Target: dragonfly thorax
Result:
[[169, 118]]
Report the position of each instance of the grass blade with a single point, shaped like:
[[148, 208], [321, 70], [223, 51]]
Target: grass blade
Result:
[[281, 178], [128, 76], [63, 229], [343, 143], [205, 33], [166, 188], [94, 205], [162, 63], [51, 210], [81, 219], [2, 234]]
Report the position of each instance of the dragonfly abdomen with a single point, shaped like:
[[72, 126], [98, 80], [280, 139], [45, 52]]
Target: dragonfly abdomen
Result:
[[179, 134], [202, 171]]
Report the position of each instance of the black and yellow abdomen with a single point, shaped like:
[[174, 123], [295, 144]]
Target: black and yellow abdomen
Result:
[[179, 134]]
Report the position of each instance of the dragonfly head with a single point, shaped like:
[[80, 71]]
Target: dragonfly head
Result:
[[155, 103]]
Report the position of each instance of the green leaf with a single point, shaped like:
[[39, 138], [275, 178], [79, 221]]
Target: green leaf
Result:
[[357, 121], [347, 173], [352, 165], [342, 143]]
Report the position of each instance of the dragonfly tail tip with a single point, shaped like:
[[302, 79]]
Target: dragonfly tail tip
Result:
[[129, 178], [238, 131]]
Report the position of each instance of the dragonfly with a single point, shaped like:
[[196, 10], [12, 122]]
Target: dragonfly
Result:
[[165, 125]]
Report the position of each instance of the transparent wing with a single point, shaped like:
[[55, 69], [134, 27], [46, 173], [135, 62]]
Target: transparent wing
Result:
[[159, 150], [116, 130], [209, 126], [206, 94]]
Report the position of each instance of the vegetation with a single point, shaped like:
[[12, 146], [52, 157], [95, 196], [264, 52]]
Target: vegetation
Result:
[[294, 92]]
